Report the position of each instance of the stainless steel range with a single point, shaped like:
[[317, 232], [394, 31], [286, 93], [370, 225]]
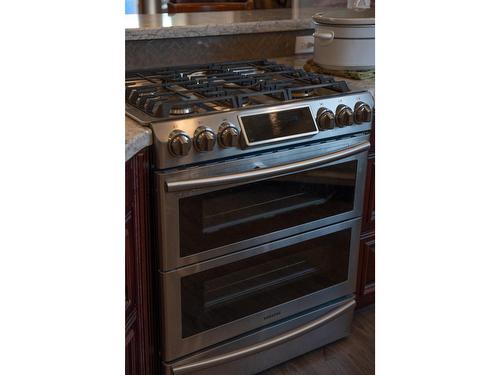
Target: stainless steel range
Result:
[[259, 176]]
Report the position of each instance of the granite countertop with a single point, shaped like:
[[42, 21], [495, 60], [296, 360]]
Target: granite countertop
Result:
[[137, 137], [181, 25], [298, 61]]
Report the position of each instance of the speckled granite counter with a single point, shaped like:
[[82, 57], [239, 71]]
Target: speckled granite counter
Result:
[[137, 137], [298, 61], [181, 25]]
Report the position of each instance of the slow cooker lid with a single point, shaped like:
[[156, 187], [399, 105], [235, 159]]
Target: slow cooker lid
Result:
[[344, 16]]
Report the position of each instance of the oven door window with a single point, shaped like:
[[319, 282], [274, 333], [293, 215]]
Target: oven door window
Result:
[[222, 294], [227, 216]]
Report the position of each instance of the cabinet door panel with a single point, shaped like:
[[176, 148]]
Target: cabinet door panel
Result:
[[366, 270], [131, 357], [130, 274]]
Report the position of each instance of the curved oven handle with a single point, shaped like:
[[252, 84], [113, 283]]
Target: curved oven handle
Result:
[[259, 174], [256, 348]]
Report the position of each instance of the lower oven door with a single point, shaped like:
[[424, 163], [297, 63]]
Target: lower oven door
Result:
[[216, 209], [221, 298]]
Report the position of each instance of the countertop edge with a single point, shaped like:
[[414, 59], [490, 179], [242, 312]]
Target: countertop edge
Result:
[[218, 29], [137, 137]]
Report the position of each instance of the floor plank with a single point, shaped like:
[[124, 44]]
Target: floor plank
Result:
[[353, 355]]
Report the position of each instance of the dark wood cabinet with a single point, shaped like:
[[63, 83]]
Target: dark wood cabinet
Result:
[[365, 289], [139, 341], [366, 272], [131, 351], [130, 274], [368, 223]]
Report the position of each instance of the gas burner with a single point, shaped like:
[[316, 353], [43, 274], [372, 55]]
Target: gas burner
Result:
[[245, 101], [231, 85], [181, 109], [303, 93], [200, 74], [182, 91], [246, 71]]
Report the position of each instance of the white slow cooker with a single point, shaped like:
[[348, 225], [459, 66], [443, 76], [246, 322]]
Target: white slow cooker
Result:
[[344, 39]]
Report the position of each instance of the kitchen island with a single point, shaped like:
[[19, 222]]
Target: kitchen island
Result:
[[185, 25]]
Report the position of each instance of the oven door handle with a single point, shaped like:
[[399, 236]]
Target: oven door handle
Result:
[[259, 174], [256, 348]]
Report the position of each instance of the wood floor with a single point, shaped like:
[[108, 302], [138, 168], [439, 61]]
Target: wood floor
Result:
[[353, 355]]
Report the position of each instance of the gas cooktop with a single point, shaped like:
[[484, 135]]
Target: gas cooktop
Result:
[[203, 113], [182, 91]]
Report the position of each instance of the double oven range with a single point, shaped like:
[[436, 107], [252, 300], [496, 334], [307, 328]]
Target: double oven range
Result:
[[259, 173]]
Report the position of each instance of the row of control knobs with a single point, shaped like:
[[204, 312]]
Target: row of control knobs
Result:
[[343, 116], [203, 139]]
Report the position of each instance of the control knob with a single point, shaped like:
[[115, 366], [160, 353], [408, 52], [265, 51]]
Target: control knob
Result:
[[325, 119], [344, 115], [228, 135], [179, 143], [362, 113], [204, 139]]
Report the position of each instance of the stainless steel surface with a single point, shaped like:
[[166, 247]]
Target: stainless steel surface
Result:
[[151, 6], [168, 202], [252, 364], [238, 148], [204, 139], [162, 129], [303, 94], [228, 135], [344, 115], [259, 174], [362, 113], [181, 110], [179, 143], [265, 345], [175, 346], [325, 119]]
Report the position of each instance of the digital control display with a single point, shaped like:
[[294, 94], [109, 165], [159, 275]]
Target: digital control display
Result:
[[269, 126]]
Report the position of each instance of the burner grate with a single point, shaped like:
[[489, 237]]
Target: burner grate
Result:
[[180, 91], [167, 108]]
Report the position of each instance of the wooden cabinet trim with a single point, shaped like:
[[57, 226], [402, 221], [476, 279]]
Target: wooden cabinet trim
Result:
[[139, 318]]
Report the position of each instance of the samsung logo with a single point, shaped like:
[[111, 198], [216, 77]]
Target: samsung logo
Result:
[[274, 314]]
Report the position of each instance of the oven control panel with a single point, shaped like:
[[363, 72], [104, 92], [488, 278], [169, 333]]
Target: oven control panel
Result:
[[234, 133]]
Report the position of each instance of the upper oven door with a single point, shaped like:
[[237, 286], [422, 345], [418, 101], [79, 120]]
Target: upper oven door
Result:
[[213, 210]]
